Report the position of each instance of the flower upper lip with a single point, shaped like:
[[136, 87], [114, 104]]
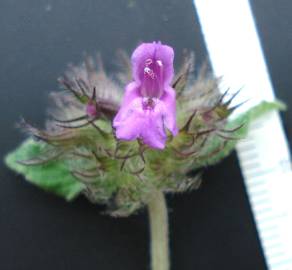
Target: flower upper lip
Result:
[[153, 79]]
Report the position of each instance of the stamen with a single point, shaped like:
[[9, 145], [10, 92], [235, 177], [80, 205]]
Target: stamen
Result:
[[160, 77], [159, 63], [148, 62], [152, 85], [148, 71]]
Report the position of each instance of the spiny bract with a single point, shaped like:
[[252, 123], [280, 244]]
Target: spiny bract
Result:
[[123, 174]]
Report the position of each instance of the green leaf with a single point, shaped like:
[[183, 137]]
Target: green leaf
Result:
[[244, 119], [53, 176]]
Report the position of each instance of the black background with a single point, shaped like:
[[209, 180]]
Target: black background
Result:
[[211, 228]]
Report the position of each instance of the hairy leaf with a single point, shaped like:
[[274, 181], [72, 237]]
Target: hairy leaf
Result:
[[53, 176]]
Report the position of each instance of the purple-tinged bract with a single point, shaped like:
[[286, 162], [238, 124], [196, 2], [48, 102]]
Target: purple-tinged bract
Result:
[[149, 106]]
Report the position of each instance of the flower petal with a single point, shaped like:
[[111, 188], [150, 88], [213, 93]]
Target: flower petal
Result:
[[131, 93], [140, 55], [129, 121], [153, 132], [169, 111], [166, 55], [148, 125], [155, 51]]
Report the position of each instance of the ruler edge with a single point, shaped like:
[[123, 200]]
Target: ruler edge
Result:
[[264, 248]]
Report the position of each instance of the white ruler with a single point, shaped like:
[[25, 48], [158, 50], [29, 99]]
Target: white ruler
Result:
[[235, 53]]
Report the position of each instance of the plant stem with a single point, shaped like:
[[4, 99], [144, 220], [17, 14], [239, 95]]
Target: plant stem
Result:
[[158, 219]]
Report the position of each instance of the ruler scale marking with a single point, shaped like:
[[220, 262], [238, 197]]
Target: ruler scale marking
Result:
[[236, 54]]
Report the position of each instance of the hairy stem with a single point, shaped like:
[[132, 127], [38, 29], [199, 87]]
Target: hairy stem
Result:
[[158, 219]]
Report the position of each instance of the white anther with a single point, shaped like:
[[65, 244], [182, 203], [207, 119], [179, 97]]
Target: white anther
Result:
[[148, 62], [159, 63], [149, 72]]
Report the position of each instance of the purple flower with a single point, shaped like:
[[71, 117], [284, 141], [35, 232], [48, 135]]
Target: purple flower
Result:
[[91, 109], [148, 107]]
